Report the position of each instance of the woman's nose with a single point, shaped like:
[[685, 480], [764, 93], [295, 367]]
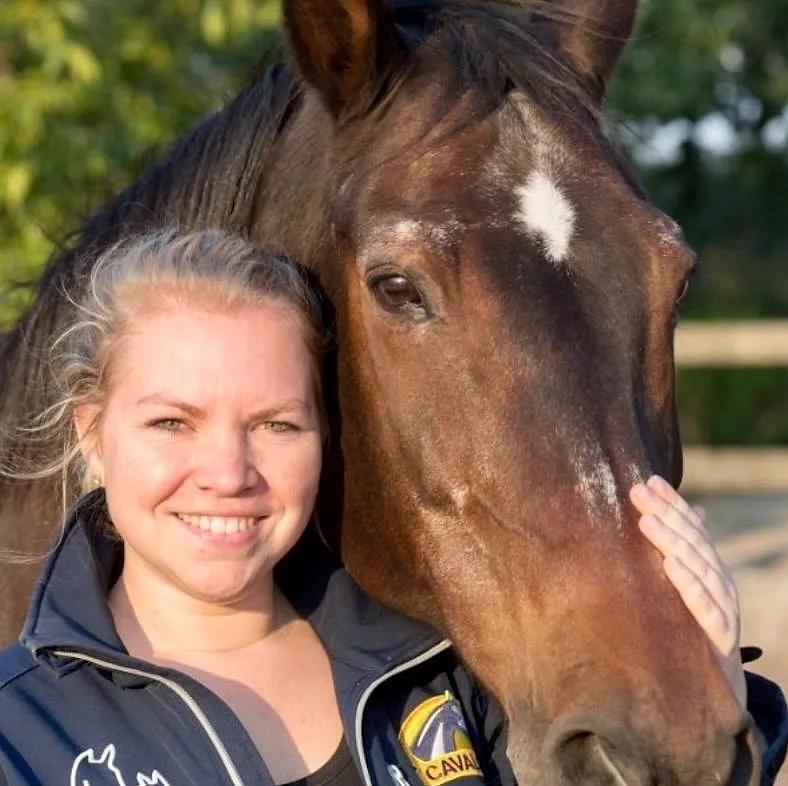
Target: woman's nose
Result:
[[225, 464]]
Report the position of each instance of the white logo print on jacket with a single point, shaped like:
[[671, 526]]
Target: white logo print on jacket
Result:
[[90, 770]]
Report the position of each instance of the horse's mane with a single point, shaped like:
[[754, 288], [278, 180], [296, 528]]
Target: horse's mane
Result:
[[495, 46]]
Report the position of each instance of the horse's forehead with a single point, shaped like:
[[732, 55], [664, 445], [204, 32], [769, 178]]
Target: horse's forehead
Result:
[[519, 170], [476, 170], [531, 164], [563, 178], [549, 144]]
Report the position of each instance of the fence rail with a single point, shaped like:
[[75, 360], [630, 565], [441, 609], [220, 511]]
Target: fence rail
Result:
[[744, 343], [733, 343]]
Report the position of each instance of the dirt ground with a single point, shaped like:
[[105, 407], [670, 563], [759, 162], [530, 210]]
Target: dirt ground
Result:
[[752, 536]]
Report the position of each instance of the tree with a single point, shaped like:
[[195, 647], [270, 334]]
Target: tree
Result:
[[90, 90], [711, 77], [704, 86]]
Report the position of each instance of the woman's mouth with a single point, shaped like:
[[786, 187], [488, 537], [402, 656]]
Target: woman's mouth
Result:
[[219, 525]]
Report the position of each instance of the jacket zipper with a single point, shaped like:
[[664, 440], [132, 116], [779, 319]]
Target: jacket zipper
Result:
[[425, 656], [179, 691], [202, 719]]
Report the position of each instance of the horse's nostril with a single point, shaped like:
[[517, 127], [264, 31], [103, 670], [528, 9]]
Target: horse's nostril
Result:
[[584, 755], [747, 754], [586, 758]]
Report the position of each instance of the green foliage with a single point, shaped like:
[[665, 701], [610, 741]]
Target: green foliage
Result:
[[90, 91], [748, 405], [715, 74]]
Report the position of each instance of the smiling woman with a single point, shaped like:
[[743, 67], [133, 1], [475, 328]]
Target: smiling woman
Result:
[[209, 453], [194, 386], [191, 391]]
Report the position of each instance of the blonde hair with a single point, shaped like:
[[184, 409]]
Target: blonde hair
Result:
[[143, 274]]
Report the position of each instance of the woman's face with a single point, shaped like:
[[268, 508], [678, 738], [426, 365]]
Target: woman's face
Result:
[[209, 447]]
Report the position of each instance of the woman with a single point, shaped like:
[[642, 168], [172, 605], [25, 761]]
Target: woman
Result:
[[159, 648]]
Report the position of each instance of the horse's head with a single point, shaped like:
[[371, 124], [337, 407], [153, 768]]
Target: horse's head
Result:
[[506, 299]]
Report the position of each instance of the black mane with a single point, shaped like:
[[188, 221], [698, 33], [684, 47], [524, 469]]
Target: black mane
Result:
[[496, 46]]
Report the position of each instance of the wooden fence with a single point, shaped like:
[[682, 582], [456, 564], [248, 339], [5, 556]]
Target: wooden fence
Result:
[[734, 343]]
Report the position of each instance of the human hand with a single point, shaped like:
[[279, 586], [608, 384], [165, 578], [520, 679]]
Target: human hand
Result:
[[692, 565]]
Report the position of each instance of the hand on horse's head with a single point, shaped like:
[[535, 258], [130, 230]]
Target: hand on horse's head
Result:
[[692, 564]]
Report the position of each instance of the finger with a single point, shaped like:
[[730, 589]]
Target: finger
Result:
[[716, 581], [721, 628], [688, 529], [696, 550], [665, 503], [704, 563], [661, 487]]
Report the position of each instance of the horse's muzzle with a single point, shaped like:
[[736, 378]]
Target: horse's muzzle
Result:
[[598, 750]]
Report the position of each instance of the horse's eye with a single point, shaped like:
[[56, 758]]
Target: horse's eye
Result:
[[396, 293]]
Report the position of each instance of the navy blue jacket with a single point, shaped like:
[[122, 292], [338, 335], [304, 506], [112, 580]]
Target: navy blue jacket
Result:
[[76, 708]]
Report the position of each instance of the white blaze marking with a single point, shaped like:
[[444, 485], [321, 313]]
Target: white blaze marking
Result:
[[546, 213]]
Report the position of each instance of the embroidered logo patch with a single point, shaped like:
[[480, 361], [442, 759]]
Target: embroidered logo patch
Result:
[[90, 769], [435, 737]]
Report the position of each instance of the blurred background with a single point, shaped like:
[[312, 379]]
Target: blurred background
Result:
[[92, 90]]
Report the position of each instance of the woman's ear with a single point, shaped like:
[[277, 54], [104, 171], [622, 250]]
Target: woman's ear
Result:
[[86, 424]]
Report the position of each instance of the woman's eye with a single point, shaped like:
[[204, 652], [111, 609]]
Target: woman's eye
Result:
[[167, 424], [280, 426]]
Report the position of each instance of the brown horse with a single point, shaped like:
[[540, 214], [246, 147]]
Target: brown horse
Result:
[[505, 301]]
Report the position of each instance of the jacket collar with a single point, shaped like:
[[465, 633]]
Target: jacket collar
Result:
[[69, 605]]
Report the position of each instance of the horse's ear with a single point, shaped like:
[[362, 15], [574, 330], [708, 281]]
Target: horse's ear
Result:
[[592, 33], [345, 48]]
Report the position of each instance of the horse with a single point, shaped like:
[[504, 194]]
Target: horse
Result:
[[505, 299]]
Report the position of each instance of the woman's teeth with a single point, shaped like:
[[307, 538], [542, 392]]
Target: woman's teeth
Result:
[[219, 525]]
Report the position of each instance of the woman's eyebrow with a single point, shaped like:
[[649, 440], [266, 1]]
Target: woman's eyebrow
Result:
[[162, 398], [289, 405]]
